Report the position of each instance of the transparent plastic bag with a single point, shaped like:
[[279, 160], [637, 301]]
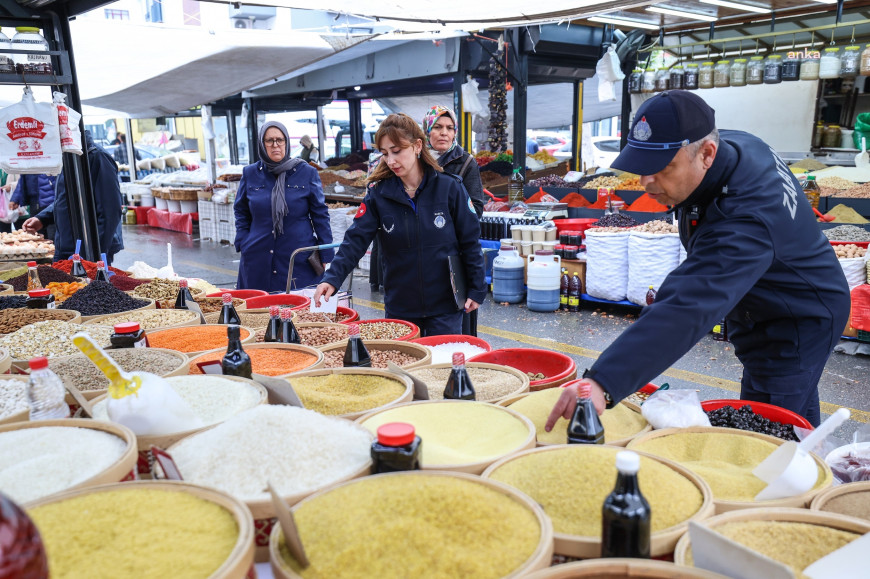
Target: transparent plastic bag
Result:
[[674, 409], [154, 409]]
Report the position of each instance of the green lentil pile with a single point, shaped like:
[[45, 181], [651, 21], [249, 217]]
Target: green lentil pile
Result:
[[398, 526], [335, 394], [488, 384], [571, 483]]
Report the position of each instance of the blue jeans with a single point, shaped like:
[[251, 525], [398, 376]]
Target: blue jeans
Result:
[[797, 392], [439, 325]]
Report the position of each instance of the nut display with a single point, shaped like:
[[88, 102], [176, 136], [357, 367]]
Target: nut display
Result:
[[15, 319], [50, 339], [657, 226], [209, 305], [849, 251], [335, 358], [161, 289], [383, 331], [310, 316], [100, 298], [321, 336]]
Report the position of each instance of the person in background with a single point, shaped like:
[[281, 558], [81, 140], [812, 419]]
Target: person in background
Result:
[[439, 125], [309, 151], [36, 192], [422, 217], [531, 146], [756, 257], [107, 197], [279, 208], [121, 156]]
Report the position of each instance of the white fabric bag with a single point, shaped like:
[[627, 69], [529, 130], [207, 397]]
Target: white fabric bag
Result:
[[855, 270], [651, 257], [30, 143], [607, 264], [608, 72]]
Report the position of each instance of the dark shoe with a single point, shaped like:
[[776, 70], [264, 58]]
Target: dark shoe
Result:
[[373, 287]]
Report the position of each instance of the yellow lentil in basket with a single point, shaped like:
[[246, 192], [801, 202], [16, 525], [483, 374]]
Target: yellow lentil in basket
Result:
[[620, 422], [335, 394], [572, 482], [401, 526], [135, 534]]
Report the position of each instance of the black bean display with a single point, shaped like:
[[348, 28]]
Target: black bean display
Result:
[[617, 220], [551, 181], [100, 298], [747, 419], [47, 275], [10, 302]]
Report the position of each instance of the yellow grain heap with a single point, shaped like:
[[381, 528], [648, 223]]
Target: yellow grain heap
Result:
[[346, 393], [421, 526], [456, 433], [571, 483], [135, 534], [797, 545], [724, 460], [620, 422]]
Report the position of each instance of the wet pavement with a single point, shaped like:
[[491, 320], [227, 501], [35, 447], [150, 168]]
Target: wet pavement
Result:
[[710, 367]]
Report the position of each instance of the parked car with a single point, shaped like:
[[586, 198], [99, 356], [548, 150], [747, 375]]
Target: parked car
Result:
[[548, 141], [604, 151]]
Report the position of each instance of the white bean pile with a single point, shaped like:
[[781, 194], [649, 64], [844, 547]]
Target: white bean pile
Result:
[[13, 397]]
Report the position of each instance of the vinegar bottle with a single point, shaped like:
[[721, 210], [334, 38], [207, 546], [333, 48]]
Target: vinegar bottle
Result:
[[45, 392], [564, 282], [101, 274], [273, 330], [288, 334], [626, 515], [228, 313], [585, 426], [78, 270], [356, 354], [574, 293], [183, 296], [459, 386], [236, 362]]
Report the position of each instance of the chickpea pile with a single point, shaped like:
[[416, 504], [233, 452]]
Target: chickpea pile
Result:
[[849, 251]]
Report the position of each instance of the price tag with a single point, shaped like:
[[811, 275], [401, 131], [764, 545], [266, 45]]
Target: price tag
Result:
[[194, 307], [212, 367], [166, 462], [289, 528], [326, 307], [280, 391], [421, 391]]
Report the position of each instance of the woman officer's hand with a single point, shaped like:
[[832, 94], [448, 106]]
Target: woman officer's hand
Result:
[[324, 290]]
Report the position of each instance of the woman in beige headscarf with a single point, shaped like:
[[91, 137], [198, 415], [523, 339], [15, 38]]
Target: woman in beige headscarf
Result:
[[309, 151]]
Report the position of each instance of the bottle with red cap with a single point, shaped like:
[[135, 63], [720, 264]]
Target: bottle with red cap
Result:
[[626, 514], [45, 392], [228, 313], [288, 335], [32, 277], [40, 299], [397, 448], [356, 354], [273, 330], [585, 426], [102, 272], [459, 386], [129, 335], [236, 362], [183, 295], [78, 269]]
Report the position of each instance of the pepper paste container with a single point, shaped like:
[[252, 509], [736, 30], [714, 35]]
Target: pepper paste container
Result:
[[543, 281], [128, 335], [40, 299], [508, 273]]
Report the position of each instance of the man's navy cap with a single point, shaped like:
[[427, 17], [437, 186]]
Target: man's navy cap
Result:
[[663, 125]]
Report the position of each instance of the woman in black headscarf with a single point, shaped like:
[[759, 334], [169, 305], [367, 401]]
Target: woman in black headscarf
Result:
[[279, 208]]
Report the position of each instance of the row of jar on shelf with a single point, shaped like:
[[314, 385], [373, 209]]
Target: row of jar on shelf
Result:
[[755, 70]]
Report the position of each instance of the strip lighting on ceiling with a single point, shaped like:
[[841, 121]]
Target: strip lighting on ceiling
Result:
[[623, 22], [682, 13], [738, 6]]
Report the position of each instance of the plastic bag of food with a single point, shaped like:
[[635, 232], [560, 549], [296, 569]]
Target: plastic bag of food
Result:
[[68, 122], [850, 462], [31, 142], [674, 409]]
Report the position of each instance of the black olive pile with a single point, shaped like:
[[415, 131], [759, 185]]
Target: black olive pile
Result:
[[617, 220], [746, 419]]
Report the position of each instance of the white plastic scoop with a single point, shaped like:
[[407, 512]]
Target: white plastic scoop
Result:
[[790, 470], [862, 159]]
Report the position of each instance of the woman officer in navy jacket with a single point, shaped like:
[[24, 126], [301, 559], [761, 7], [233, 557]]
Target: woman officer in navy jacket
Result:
[[421, 217], [279, 208]]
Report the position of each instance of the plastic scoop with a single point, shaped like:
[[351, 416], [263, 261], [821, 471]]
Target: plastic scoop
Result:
[[862, 159], [822, 216], [790, 470]]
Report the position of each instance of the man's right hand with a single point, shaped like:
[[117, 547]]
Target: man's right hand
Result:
[[324, 290], [32, 225]]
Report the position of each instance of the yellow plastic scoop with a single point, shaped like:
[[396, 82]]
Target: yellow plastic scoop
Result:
[[121, 383]]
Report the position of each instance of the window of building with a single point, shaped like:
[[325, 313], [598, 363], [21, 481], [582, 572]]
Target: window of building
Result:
[[153, 10], [113, 14]]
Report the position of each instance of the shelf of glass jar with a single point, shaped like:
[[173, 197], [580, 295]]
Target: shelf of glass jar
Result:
[[23, 76]]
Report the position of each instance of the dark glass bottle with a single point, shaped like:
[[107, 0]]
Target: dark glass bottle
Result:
[[459, 386], [40, 299], [102, 274], [651, 295], [78, 270], [129, 335], [288, 334], [236, 361], [563, 290], [585, 426], [356, 354], [397, 448], [273, 330], [626, 515], [574, 291], [183, 296], [228, 313]]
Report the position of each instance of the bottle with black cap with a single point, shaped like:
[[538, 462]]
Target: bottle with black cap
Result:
[[236, 362], [356, 354], [40, 299], [128, 335], [459, 386], [228, 313], [183, 295], [626, 514]]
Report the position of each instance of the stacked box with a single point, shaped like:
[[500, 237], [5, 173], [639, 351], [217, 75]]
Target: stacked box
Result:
[[225, 219]]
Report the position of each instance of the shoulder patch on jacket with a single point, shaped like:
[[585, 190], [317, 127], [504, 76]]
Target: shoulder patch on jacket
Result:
[[361, 211], [471, 206]]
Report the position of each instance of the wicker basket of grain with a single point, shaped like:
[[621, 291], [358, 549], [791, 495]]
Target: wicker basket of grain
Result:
[[512, 388], [160, 192], [621, 568], [218, 354], [5, 361], [23, 415], [256, 319], [122, 469], [851, 499], [149, 306], [305, 330], [497, 523], [168, 338], [208, 305], [615, 420], [460, 436], [692, 445], [806, 543], [239, 563], [183, 193], [192, 319], [404, 389], [6, 289], [422, 353]]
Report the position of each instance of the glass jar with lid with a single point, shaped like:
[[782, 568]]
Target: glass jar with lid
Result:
[[635, 80], [850, 62], [678, 75], [663, 80], [773, 69], [829, 64], [722, 74], [865, 61], [810, 68], [738, 72], [690, 78], [28, 38], [705, 75], [818, 134], [791, 67], [832, 137], [648, 84], [755, 70]]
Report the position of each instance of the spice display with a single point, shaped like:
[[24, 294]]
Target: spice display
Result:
[[755, 70], [488, 384], [15, 319], [443, 353], [125, 283], [658, 226], [724, 460], [812, 165], [738, 72], [617, 220], [796, 545], [602, 182], [211, 398], [192, 339], [79, 371], [458, 433], [209, 305], [321, 336], [648, 204], [46, 274], [551, 181], [150, 319], [335, 394], [840, 233], [266, 361], [13, 397], [705, 74], [10, 302], [335, 358], [620, 422], [592, 468], [50, 338], [239, 456], [810, 69], [65, 265], [746, 419], [371, 528], [37, 462], [187, 537], [854, 504], [61, 291], [849, 251], [722, 74], [845, 214], [310, 316], [100, 298], [603, 203], [383, 330], [629, 184], [254, 321]]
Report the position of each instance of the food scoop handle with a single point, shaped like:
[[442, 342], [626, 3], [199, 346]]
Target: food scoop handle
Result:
[[122, 383]]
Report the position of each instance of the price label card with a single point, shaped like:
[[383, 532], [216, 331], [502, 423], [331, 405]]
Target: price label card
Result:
[[212, 367], [166, 462], [326, 307]]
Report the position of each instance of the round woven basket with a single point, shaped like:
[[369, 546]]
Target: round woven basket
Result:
[[251, 336], [521, 376], [317, 363]]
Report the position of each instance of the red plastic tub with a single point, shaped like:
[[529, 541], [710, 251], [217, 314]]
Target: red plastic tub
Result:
[[354, 315], [413, 329], [296, 302], [863, 244], [243, 294], [769, 411], [558, 368], [580, 224], [452, 339]]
